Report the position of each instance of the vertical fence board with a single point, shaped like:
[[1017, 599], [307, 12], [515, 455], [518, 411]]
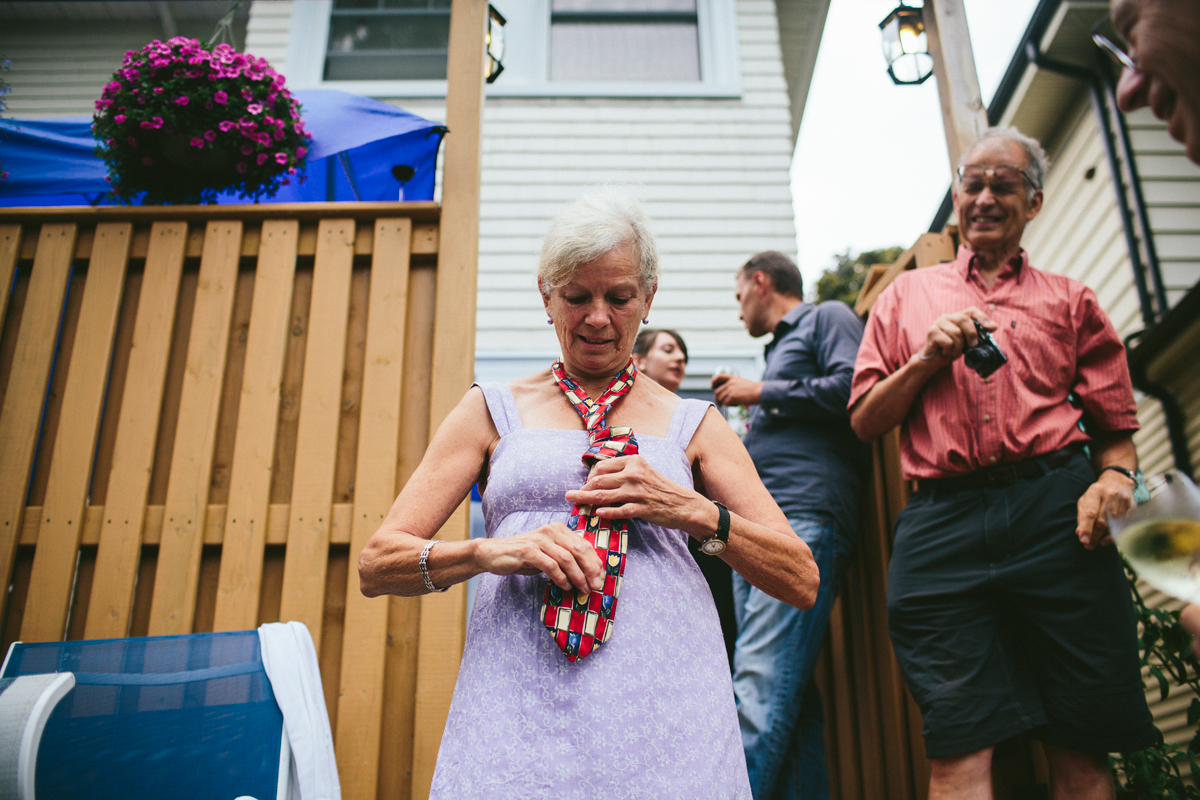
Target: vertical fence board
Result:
[[404, 613], [316, 438], [133, 451], [15, 303], [25, 394], [254, 447], [61, 527], [10, 248], [178, 571], [360, 704]]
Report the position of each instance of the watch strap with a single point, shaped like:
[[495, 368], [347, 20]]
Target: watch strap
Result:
[[1128, 473], [722, 533]]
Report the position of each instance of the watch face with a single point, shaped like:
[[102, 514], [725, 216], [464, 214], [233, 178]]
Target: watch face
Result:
[[712, 547]]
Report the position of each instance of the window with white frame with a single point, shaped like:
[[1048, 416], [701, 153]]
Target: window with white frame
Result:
[[553, 48], [387, 40], [624, 40]]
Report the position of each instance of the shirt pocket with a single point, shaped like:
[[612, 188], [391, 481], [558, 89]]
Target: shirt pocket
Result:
[[1041, 353]]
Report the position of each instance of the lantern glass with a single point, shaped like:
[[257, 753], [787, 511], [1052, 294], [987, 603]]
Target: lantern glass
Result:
[[494, 42], [905, 46]]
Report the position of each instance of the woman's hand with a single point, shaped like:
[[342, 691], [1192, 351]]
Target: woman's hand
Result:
[[564, 556], [628, 487]]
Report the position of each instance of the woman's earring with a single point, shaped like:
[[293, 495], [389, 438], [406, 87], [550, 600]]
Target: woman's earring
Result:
[[646, 320], [549, 321]]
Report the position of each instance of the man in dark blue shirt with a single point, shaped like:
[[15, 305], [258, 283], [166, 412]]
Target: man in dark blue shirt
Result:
[[814, 466]]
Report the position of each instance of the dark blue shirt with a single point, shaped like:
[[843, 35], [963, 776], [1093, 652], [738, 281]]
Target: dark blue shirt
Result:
[[800, 436]]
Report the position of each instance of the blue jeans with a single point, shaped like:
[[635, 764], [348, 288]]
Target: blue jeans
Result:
[[779, 709]]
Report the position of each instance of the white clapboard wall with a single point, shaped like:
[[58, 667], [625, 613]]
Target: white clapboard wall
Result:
[[712, 172]]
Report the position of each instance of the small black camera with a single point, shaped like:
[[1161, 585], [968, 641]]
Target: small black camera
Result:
[[985, 357]]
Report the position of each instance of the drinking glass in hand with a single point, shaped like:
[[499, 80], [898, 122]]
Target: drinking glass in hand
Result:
[[1161, 536]]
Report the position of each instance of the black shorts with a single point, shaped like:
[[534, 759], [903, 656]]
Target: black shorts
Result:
[[1004, 624]]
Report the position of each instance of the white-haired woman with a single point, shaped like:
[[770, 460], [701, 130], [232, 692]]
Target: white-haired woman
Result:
[[561, 693]]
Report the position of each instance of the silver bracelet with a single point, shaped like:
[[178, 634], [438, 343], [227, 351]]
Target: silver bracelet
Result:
[[929, 358], [422, 563]]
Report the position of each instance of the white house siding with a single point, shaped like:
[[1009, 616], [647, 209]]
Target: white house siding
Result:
[[62, 54], [712, 172], [1079, 234]]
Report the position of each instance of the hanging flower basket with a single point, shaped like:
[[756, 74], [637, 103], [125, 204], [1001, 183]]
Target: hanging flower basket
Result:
[[183, 123]]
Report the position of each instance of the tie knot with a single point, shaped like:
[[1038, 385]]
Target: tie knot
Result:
[[610, 443]]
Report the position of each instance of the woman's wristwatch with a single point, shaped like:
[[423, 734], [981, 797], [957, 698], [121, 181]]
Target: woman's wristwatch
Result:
[[1128, 473], [715, 544]]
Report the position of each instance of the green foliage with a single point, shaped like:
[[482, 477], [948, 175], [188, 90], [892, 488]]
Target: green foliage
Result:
[[845, 280], [1165, 648]]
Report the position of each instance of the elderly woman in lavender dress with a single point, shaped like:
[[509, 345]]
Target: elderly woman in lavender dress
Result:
[[650, 713]]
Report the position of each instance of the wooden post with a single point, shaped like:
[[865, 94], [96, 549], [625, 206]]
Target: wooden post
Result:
[[443, 616], [954, 67]]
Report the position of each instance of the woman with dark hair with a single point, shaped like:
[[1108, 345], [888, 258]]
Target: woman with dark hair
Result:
[[661, 354]]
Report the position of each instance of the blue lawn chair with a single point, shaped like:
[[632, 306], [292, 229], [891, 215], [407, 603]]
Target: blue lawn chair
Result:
[[178, 717]]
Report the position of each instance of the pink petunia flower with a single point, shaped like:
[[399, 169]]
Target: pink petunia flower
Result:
[[182, 100], [157, 122], [301, 151], [254, 108], [221, 97], [120, 118], [262, 157], [132, 141], [241, 167], [281, 158], [247, 149], [196, 142], [210, 135], [158, 89], [247, 95], [226, 125]]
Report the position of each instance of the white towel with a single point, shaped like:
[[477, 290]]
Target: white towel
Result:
[[291, 663]]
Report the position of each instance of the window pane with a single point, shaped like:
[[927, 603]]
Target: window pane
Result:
[[624, 5], [387, 47], [623, 51], [387, 4]]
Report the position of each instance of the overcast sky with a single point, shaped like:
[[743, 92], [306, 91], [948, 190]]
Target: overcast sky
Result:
[[871, 167]]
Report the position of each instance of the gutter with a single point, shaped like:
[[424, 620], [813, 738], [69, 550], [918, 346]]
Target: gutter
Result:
[[1156, 337]]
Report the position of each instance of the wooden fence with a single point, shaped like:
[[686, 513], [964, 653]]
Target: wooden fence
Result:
[[872, 725], [205, 413]]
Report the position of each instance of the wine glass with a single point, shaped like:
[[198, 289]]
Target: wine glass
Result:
[[1160, 537]]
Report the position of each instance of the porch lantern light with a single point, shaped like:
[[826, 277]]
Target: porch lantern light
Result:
[[906, 47], [494, 40]]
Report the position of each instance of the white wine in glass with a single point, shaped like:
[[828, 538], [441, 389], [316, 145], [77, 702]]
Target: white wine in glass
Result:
[[1161, 537]]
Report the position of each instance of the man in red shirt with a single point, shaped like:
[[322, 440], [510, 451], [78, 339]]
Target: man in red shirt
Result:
[[1007, 607]]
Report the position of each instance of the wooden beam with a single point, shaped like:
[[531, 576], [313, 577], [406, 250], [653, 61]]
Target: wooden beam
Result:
[[53, 578], [360, 704], [963, 112], [137, 428], [425, 211], [177, 577], [443, 616], [24, 399], [254, 446], [10, 247], [307, 556]]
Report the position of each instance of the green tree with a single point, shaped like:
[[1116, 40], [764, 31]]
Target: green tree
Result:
[[844, 281]]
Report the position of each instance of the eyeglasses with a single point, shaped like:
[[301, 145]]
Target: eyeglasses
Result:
[[1113, 44], [1002, 180]]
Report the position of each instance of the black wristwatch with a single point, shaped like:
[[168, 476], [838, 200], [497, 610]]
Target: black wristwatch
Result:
[[1126, 472], [715, 544]]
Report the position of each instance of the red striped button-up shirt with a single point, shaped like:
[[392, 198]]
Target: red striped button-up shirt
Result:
[[1056, 337]]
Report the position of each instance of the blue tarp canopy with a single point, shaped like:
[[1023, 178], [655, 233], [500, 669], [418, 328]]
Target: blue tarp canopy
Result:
[[360, 147]]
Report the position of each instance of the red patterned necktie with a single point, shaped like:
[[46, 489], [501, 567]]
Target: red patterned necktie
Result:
[[579, 622]]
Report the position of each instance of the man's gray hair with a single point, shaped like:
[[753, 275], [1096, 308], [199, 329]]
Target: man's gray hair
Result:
[[1036, 163], [593, 225]]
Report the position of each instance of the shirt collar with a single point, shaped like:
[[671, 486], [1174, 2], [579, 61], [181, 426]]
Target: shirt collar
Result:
[[785, 324], [964, 264]]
